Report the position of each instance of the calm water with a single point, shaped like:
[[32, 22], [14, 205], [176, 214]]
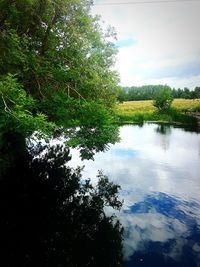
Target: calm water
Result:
[[159, 172]]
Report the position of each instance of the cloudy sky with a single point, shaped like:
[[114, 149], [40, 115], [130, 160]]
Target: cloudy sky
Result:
[[158, 43]]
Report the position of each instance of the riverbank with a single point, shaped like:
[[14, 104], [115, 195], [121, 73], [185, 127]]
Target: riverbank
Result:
[[141, 111]]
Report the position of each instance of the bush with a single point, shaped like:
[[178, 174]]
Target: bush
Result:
[[163, 99]]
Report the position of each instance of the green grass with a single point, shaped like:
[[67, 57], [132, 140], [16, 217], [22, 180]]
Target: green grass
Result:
[[140, 111]]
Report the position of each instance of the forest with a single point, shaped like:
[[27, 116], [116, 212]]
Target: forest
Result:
[[147, 92]]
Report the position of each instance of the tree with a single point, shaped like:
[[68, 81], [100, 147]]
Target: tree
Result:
[[122, 95], [186, 93], [163, 99], [196, 92], [145, 92], [55, 75], [55, 70], [59, 56]]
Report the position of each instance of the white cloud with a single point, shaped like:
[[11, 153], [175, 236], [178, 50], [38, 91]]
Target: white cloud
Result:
[[167, 36], [152, 226]]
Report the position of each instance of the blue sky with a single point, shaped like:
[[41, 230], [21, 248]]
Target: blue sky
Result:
[[157, 43]]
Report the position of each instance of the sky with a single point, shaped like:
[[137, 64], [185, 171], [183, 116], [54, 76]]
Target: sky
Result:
[[158, 43]]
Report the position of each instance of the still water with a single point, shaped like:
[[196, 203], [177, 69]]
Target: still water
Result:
[[158, 168]]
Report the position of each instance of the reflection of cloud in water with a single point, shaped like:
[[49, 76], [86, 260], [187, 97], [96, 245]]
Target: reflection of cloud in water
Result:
[[124, 152], [159, 224], [145, 164], [168, 226]]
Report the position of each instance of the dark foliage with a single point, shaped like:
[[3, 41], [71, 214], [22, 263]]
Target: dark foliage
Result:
[[50, 217]]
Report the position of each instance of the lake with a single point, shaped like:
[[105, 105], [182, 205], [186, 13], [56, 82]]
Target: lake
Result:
[[158, 169]]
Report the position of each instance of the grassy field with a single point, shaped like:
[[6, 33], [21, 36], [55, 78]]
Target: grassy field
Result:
[[139, 111]]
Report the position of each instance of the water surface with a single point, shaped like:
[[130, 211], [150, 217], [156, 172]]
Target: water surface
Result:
[[158, 169]]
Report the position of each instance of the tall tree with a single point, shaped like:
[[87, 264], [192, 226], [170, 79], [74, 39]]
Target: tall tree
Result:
[[59, 55], [55, 74], [55, 70]]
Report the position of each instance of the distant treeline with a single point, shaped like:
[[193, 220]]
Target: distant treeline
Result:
[[147, 92]]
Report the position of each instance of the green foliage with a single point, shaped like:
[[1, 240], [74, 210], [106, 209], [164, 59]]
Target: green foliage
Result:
[[56, 46], [163, 99], [55, 75], [147, 92], [122, 95], [70, 112], [17, 110], [196, 93], [176, 116], [60, 61], [196, 109], [55, 218]]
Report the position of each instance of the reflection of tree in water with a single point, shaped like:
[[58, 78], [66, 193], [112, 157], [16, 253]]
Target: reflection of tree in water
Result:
[[163, 130], [49, 217], [90, 140]]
